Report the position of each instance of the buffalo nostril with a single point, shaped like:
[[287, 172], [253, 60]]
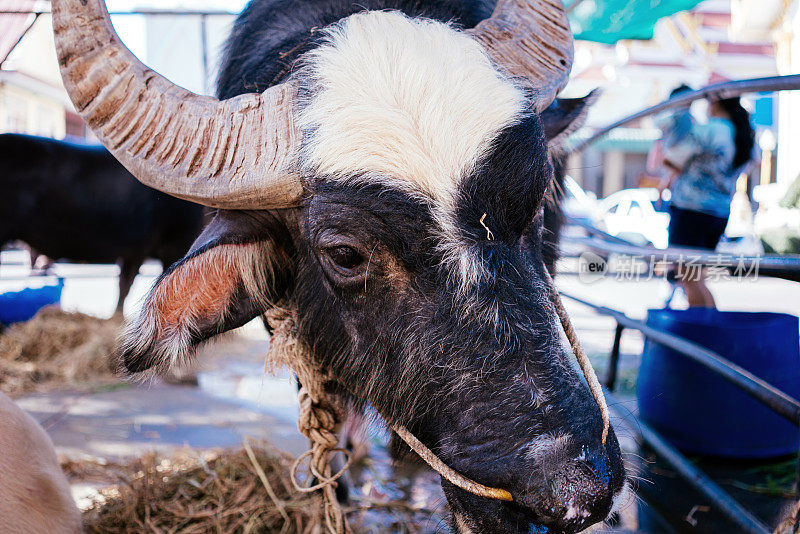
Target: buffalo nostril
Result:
[[578, 494], [575, 491], [600, 465]]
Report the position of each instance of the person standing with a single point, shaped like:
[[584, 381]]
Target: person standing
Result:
[[704, 164], [674, 126]]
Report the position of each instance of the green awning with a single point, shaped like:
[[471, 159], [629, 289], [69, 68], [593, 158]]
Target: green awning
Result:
[[631, 140], [608, 21]]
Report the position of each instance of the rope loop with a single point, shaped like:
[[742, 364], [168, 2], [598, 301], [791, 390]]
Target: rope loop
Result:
[[324, 481]]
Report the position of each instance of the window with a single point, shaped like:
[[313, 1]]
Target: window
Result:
[[636, 209], [16, 113]]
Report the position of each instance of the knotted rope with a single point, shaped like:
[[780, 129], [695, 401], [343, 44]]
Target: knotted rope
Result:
[[318, 423], [318, 419]]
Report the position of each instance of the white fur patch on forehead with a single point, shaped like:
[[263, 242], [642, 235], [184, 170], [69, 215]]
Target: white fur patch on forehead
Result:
[[411, 101]]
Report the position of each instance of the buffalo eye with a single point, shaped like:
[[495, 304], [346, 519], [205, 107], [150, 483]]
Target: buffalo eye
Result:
[[345, 258]]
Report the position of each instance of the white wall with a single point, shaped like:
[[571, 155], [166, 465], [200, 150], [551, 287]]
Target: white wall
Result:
[[789, 101], [36, 54], [175, 48]]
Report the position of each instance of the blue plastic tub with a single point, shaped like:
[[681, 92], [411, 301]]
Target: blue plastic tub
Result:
[[16, 306], [700, 412]]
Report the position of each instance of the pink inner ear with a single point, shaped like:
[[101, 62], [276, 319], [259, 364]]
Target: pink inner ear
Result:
[[199, 289]]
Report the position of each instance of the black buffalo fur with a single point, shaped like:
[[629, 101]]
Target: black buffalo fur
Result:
[[521, 158], [76, 202], [269, 36], [472, 365]]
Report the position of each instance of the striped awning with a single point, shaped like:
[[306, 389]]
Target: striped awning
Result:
[[13, 26]]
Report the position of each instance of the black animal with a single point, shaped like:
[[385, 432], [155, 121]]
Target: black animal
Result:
[[77, 202], [386, 187]]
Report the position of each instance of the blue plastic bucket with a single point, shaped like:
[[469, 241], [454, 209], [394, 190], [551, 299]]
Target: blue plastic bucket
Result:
[[17, 306], [700, 412]]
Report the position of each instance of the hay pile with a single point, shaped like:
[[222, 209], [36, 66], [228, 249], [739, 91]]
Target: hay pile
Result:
[[56, 348], [239, 491], [231, 492]]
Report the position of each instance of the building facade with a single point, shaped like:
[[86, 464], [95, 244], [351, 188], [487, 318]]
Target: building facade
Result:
[[696, 48]]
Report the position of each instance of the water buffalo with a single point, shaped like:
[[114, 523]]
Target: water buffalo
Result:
[[378, 167], [77, 202]]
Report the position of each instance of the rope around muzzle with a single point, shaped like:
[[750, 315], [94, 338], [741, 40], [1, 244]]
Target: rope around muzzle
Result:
[[580, 354], [319, 423], [452, 476]]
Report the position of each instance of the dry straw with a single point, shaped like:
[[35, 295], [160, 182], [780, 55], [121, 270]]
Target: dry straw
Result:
[[56, 348], [242, 491]]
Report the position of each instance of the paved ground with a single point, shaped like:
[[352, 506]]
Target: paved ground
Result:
[[233, 399], [129, 421]]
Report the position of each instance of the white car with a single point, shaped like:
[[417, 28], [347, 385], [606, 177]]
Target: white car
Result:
[[636, 215]]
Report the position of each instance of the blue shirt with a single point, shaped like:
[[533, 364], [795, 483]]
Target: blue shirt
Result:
[[706, 182], [675, 126]]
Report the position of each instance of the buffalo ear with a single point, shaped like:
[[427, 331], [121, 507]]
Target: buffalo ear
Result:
[[232, 273], [564, 116]]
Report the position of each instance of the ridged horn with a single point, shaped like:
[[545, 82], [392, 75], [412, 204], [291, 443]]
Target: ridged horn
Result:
[[531, 39], [234, 154]]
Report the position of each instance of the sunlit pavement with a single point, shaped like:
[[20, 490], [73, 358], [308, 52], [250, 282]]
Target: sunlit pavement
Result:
[[127, 422]]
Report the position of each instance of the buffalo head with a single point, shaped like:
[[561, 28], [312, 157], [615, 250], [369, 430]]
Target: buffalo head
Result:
[[390, 191]]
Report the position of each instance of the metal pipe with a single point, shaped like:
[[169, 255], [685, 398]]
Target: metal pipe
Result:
[[717, 90], [695, 477], [594, 231], [148, 12], [757, 388], [613, 361], [785, 266], [204, 48]]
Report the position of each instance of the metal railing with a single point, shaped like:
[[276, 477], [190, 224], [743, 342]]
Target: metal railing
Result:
[[203, 15], [718, 90], [737, 513], [785, 266], [765, 393]]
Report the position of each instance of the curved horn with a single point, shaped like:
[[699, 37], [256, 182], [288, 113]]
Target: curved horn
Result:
[[238, 153], [530, 39]]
